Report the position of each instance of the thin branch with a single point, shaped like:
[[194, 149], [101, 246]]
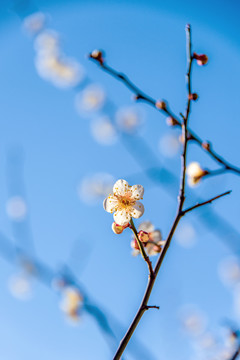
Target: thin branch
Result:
[[235, 355], [180, 213], [205, 202], [151, 280], [142, 251], [141, 96], [152, 307]]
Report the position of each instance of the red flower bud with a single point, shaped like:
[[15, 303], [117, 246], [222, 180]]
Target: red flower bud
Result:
[[202, 59]]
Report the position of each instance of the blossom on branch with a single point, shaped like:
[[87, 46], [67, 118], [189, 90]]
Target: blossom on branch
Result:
[[195, 173], [153, 241], [118, 229], [124, 202], [202, 59]]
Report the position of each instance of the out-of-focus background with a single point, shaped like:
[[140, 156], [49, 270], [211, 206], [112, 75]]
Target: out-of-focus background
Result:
[[68, 132]]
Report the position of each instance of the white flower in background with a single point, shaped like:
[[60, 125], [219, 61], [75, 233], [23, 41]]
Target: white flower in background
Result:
[[124, 202], [95, 187], [129, 119], [20, 286], [47, 43], [103, 130], [207, 341], [185, 235], [16, 208], [169, 145], [34, 22], [229, 271], [195, 173], [90, 100], [71, 302], [153, 245], [193, 320], [62, 72]]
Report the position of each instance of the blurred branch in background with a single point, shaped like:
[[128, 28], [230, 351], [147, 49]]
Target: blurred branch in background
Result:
[[75, 297]]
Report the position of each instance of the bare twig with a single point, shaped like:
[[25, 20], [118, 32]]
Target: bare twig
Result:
[[142, 251], [143, 307], [141, 96], [205, 202]]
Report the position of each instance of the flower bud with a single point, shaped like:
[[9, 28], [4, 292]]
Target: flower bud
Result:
[[97, 55], [134, 244], [143, 236], [160, 104], [171, 121], [117, 229], [193, 96], [206, 145], [202, 59]]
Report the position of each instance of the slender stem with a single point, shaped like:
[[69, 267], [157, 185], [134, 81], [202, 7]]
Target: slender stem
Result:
[[217, 172], [205, 202], [141, 96], [151, 280], [180, 213], [141, 248], [235, 355]]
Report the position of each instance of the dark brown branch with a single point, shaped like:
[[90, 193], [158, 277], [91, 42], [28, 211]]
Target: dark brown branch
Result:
[[142, 251], [235, 355], [205, 202], [141, 96], [151, 280]]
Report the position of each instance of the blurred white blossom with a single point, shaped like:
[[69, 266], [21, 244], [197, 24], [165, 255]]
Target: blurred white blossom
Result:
[[62, 72], [229, 271], [193, 320], [20, 286], [129, 119], [71, 302], [90, 100], [169, 145], [95, 187], [34, 22], [16, 208], [103, 130], [185, 234], [47, 43]]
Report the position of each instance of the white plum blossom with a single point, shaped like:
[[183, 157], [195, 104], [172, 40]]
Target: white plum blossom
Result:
[[195, 173], [124, 202]]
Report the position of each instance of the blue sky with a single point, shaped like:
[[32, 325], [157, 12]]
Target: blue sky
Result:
[[39, 121]]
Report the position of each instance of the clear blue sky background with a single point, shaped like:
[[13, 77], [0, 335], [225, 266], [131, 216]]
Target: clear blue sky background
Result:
[[146, 40]]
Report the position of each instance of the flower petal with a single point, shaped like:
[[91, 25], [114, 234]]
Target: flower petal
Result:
[[122, 217], [137, 191], [146, 226], [156, 236], [137, 210], [120, 187], [110, 203]]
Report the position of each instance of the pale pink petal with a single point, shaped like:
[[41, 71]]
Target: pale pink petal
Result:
[[110, 204], [137, 192], [120, 187], [151, 249], [122, 217], [137, 210], [146, 226], [156, 236]]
